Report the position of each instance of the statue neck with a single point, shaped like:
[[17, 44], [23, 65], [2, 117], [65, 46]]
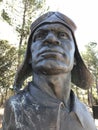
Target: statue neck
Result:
[[57, 86]]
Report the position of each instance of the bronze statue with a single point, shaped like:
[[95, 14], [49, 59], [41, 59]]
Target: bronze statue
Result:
[[53, 60]]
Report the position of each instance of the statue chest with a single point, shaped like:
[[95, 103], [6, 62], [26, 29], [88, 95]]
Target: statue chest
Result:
[[38, 117]]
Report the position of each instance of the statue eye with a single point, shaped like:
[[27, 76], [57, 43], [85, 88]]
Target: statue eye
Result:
[[40, 35], [63, 35]]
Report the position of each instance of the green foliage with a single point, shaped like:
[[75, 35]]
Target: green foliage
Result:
[[21, 52], [81, 94], [5, 16], [22, 16], [8, 63], [91, 59]]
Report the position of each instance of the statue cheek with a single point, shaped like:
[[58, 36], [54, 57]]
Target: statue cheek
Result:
[[35, 46]]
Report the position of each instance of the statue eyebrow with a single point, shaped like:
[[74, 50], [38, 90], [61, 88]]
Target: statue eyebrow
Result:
[[40, 30], [52, 29]]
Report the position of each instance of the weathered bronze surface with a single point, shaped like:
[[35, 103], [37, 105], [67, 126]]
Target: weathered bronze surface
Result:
[[53, 59]]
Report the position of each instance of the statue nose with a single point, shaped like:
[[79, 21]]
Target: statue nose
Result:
[[52, 39]]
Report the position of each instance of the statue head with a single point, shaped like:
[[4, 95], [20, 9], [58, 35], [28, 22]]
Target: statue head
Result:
[[59, 55], [52, 49]]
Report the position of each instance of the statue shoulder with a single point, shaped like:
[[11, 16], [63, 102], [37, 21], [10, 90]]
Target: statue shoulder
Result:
[[17, 100], [84, 115]]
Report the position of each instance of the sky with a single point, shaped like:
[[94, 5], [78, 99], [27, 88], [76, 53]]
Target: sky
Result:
[[82, 12], [85, 15]]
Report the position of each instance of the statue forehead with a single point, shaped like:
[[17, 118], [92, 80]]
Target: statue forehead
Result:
[[53, 26]]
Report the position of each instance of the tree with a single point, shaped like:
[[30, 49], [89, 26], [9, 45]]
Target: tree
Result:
[[20, 13], [8, 63], [91, 59], [30, 7], [5, 16]]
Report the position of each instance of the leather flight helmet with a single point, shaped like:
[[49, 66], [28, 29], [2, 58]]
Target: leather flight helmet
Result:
[[81, 76]]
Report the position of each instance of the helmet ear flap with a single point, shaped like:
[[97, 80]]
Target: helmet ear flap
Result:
[[25, 70], [81, 76]]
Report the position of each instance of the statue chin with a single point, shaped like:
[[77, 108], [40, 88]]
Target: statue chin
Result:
[[47, 71], [51, 67]]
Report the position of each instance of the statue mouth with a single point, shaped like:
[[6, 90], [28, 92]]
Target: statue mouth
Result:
[[51, 54]]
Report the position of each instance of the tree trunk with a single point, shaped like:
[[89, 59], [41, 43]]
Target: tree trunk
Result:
[[22, 33], [1, 101], [90, 98]]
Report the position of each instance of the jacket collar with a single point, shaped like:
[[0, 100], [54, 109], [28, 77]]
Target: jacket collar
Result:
[[77, 108], [45, 99]]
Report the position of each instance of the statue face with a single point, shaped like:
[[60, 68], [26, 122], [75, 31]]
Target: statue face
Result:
[[52, 49]]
